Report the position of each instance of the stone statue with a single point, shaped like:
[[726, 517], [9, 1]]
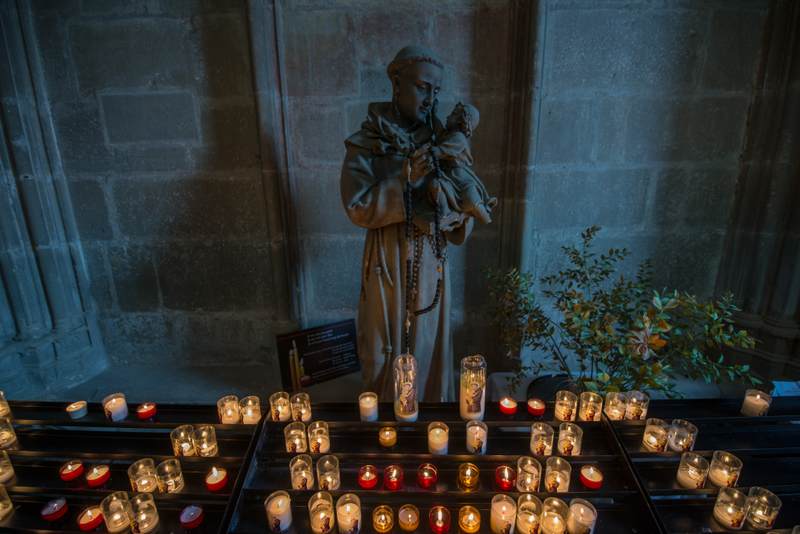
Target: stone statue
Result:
[[409, 181]]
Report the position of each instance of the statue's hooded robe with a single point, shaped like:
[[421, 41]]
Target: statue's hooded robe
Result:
[[372, 186]]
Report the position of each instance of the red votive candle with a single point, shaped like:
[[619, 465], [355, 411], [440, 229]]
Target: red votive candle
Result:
[[54, 510], [98, 475], [393, 477], [427, 475], [217, 478], [192, 517], [368, 476], [90, 518], [505, 477], [146, 411], [536, 407], [70, 470], [508, 406], [439, 519], [591, 477]]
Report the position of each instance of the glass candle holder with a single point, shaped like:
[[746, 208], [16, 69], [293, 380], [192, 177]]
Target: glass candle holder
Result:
[[142, 475], [542, 435], [368, 476], [320, 513], [581, 517], [328, 473], [393, 477], [278, 507], [8, 438], [182, 444], [319, 439], [145, 513], [387, 436], [529, 472], [472, 393], [477, 436], [6, 469], [228, 410], [204, 439], [170, 476], [654, 438], [529, 513], [570, 437], [250, 410], [503, 514], [681, 435], [469, 519], [404, 370], [725, 469], [408, 518], [566, 406], [764, 508], [5, 408], [6, 506], [301, 472], [731, 507], [505, 477], [294, 436], [438, 437], [117, 512], [427, 475], [616, 405], [636, 407], [348, 513], [557, 475], [115, 407], [439, 520], [692, 471], [301, 407], [591, 407], [368, 406], [554, 516], [756, 403], [280, 407], [469, 477], [382, 518]]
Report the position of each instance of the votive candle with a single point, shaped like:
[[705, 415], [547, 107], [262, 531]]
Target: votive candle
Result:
[[681, 435], [319, 438], [387, 436], [503, 514], [328, 476], [570, 437], [508, 406], [6, 506], [170, 476], [427, 475], [542, 435], [8, 437], [7, 469], [250, 410], [301, 472], [115, 407], [228, 410], [505, 477], [278, 507], [294, 435], [368, 476], [301, 407], [348, 513], [636, 406], [142, 475], [438, 436], [469, 519], [756, 403], [730, 508], [536, 407], [529, 512], [393, 477], [408, 518], [321, 513], [591, 407], [764, 508], [469, 476], [581, 517], [591, 477], [181, 438], [216, 478], [692, 471], [654, 438], [725, 469], [566, 406], [368, 406], [117, 512], [477, 435], [439, 519], [615, 405], [554, 516], [472, 390], [145, 513], [382, 518], [204, 439], [557, 474], [280, 406], [529, 472]]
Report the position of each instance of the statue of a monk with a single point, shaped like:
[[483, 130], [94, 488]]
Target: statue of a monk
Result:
[[389, 170]]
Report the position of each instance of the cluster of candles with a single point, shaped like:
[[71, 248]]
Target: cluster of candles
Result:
[[678, 436], [315, 439], [301, 472], [190, 440], [119, 512], [528, 514], [232, 410], [758, 508]]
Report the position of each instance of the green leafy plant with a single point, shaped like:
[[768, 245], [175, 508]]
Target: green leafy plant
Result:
[[613, 333]]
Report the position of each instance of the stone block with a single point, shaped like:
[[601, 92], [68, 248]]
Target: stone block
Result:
[[59, 70], [578, 199], [238, 339], [734, 47], [134, 277], [167, 159], [14, 377], [91, 212], [716, 131], [693, 198], [148, 117], [99, 275], [153, 52], [189, 208], [333, 271], [215, 275], [222, 50], [381, 30], [64, 8], [489, 142], [70, 345], [143, 8], [320, 56], [40, 364], [148, 338], [319, 206], [610, 118], [316, 129], [688, 261], [80, 138], [375, 84], [230, 138], [467, 264], [565, 132]]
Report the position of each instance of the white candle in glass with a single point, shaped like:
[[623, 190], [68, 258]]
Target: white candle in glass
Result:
[[321, 520], [115, 407], [553, 523], [729, 515], [581, 518], [279, 511], [503, 514], [476, 437], [692, 471], [368, 406], [6, 469], [472, 390], [725, 469], [437, 438], [228, 410], [348, 514], [756, 403], [527, 522]]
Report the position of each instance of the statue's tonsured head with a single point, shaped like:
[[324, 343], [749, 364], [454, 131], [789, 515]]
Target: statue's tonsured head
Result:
[[416, 75]]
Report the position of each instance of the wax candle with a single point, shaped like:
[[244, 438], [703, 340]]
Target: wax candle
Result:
[[301, 473], [725, 469], [536, 407], [294, 436], [472, 393], [756, 403], [469, 519], [192, 517], [228, 410], [7, 470], [145, 513], [77, 409], [90, 518], [503, 514], [528, 474], [182, 444], [170, 476], [54, 510], [117, 512], [250, 410], [280, 406], [469, 477], [582, 517], [427, 475], [408, 518], [731, 508], [529, 511], [368, 476], [6, 506], [319, 437], [382, 519], [393, 477], [204, 439], [98, 475], [508, 406], [636, 406], [557, 474], [67, 472], [328, 473], [348, 514], [387, 436], [278, 507], [216, 478], [542, 435], [142, 475], [591, 406], [8, 438], [115, 407], [681, 435], [505, 477], [566, 406], [654, 438], [368, 406], [320, 512], [615, 405], [5, 408], [438, 435], [570, 438], [764, 508], [146, 410], [554, 516], [439, 520], [477, 434], [591, 477], [301, 407], [692, 471], [404, 371]]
